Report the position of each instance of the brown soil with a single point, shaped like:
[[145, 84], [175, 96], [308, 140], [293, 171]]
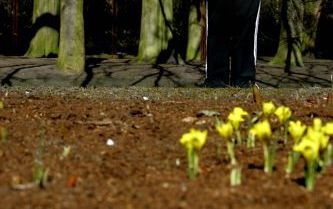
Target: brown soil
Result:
[[146, 167]]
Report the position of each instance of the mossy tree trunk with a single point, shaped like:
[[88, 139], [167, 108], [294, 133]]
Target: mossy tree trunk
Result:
[[71, 57], [290, 44], [156, 33], [312, 10], [171, 29], [299, 24], [195, 32], [204, 27], [45, 29]]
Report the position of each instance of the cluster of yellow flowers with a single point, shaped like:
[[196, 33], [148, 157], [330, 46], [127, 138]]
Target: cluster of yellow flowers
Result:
[[262, 130], [312, 142], [235, 119]]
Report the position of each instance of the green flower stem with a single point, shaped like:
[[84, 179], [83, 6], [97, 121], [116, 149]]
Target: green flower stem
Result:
[[40, 174], [251, 141], [310, 175], [293, 158], [285, 129], [269, 158], [231, 152], [3, 134], [193, 163], [236, 176], [327, 155], [236, 172], [238, 137]]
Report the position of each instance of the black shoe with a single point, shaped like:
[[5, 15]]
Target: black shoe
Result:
[[213, 84]]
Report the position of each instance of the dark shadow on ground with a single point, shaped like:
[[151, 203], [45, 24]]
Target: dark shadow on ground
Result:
[[314, 73], [91, 63], [6, 81], [162, 72], [301, 78], [106, 71], [300, 181]]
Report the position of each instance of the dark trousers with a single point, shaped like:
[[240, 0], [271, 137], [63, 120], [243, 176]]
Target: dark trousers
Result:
[[232, 28]]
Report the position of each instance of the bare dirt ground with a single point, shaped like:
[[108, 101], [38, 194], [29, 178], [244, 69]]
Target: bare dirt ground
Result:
[[145, 167]]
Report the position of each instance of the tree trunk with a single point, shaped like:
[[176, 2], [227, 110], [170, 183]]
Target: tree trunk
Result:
[[15, 22], [299, 24], [114, 27], [45, 29], [204, 23], [71, 57], [156, 30], [312, 10], [290, 44], [194, 32]]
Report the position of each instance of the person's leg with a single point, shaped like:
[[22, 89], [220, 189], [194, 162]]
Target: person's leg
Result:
[[218, 42], [244, 52]]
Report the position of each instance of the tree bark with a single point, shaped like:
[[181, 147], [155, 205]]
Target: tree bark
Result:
[[203, 22], [291, 35], [299, 24], [114, 27], [312, 10], [156, 30], [45, 29], [15, 22], [71, 57], [196, 24]]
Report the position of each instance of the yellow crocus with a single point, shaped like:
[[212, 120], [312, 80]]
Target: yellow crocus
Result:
[[283, 113], [328, 129], [268, 108], [236, 117], [318, 136], [317, 124], [296, 130], [308, 148], [195, 139], [225, 130], [262, 130]]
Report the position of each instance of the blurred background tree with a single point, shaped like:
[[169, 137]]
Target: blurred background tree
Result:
[[71, 58], [172, 30], [298, 31], [161, 31], [156, 29], [45, 26]]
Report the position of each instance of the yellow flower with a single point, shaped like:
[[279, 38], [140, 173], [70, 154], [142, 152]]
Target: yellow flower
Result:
[[262, 130], [283, 113], [318, 136], [225, 130], [236, 117], [317, 124], [328, 128], [194, 139], [268, 108], [308, 148], [296, 130]]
